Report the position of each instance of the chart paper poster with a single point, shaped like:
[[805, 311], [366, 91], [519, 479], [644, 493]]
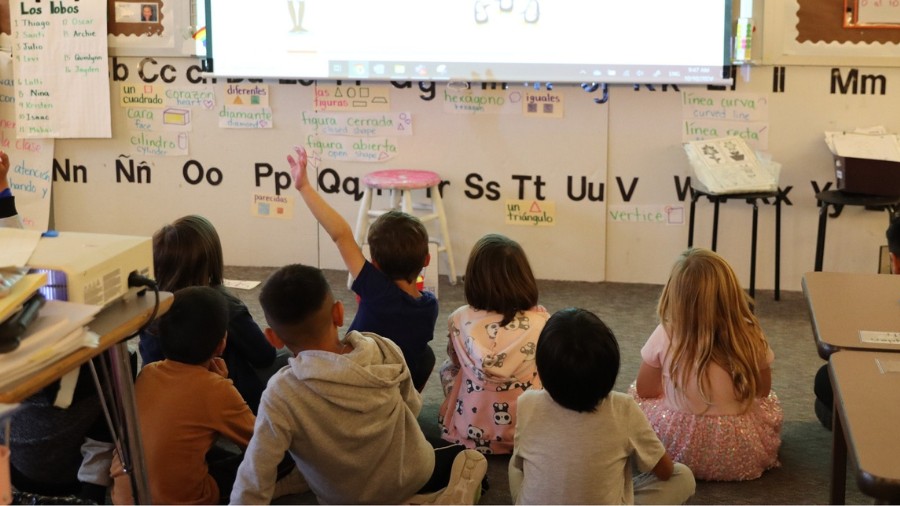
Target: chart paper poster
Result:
[[476, 100], [272, 206], [544, 104], [30, 160], [532, 213], [363, 98], [358, 124], [713, 115], [61, 69]]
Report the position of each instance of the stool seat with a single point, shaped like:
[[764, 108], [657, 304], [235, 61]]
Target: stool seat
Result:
[[401, 183], [401, 179]]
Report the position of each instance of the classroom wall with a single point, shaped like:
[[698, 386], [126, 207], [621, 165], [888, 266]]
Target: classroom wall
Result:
[[608, 168], [488, 159], [637, 167], [645, 136]]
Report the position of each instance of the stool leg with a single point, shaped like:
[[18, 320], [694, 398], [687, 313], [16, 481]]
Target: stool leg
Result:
[[362, 217], [395, 198], [820, 236], [445, 234], [691, 220], [406, 196], [753, 249], [777, 248], [715, 237]]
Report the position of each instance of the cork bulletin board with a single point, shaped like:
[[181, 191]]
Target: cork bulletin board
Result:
[[825, 21], [135, 27], [816, 32]]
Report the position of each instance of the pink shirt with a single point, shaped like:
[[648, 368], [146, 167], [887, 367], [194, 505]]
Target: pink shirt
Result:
[[721, 394]]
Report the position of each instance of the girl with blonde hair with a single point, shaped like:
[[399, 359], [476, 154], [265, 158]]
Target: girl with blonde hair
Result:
[[705, 378]]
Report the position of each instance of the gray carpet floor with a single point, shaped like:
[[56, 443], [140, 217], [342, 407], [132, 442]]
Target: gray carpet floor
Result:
[[630, 311]]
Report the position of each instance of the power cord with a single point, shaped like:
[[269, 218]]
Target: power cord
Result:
[[136, 280]]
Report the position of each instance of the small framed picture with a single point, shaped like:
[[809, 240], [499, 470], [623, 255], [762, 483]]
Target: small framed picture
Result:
[[149, 13], [137, 12]]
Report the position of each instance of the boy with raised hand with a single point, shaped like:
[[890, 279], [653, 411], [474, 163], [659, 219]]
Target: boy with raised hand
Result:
[[390, 303], [577, 440], [186, 402], [345, 410]]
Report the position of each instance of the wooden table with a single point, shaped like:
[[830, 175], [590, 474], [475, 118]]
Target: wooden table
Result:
[[866, 422], [113, 324], [842, 304]]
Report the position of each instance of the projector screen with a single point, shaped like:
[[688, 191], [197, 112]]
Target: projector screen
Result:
[[608, 41]]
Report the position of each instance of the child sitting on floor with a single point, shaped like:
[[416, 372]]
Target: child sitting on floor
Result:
[[188, 252], [390, 303], [186, 401], [491, 347], [345, 409], [705, 381], [577, 440]]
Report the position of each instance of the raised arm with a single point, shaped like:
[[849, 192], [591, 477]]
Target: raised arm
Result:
[[4, 170], [336, 226]]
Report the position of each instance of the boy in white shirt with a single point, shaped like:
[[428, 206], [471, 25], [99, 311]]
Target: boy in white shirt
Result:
[[577, 440]]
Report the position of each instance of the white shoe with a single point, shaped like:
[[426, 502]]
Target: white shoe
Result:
[[469, 468]]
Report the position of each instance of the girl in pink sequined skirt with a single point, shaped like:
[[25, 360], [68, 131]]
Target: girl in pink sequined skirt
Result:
[[705, 377]]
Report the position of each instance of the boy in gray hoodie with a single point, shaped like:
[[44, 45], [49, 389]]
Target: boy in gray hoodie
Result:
[[344, 409]]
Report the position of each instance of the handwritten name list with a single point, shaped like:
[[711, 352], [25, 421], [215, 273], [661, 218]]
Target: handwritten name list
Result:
[[61, 68]]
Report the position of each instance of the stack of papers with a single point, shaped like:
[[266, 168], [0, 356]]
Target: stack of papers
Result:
[[729, 165], [20, 292], [873, 143], [59, 330]]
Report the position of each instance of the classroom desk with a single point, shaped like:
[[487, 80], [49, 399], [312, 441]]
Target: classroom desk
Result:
[[752, 199], [866, 420], [841, 304], [838, 199], [113, 324]]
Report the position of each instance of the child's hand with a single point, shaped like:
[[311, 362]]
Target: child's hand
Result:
[[298, 168], [4, 170], [217, 365]]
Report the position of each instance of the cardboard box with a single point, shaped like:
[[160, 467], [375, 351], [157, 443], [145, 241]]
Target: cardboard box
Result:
[[863, 175]]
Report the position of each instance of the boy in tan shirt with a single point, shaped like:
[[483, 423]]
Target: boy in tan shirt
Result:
[[186, 402]]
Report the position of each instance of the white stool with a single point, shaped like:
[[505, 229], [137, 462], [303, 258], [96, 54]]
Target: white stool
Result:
[[401, 183]]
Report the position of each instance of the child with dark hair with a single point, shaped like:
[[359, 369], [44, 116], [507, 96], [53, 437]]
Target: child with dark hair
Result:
[[390, 304], [188, 252], [577, 440], [185, 402], [491, 347], [345, 410]]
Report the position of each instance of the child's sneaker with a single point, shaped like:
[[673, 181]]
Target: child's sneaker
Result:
[[469, 468]]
